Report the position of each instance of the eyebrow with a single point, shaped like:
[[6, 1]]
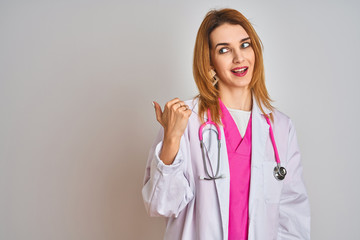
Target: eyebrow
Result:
[[226, 44]]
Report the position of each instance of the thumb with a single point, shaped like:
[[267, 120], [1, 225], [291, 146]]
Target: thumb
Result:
[[158, 112]]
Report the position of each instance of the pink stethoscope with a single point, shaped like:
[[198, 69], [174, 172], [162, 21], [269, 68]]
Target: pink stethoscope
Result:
[[279, 171]]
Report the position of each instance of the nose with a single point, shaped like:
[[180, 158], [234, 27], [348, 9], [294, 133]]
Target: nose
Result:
[[238, 56]]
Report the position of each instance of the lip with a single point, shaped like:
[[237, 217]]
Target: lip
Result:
[[238, 74]]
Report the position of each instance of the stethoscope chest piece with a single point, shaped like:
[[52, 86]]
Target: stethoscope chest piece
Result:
[[279, 172]]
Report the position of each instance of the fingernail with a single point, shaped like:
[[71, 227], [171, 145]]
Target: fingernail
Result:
[[153, 103]]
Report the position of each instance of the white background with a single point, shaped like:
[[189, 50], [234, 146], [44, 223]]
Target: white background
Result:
[[76, 121]]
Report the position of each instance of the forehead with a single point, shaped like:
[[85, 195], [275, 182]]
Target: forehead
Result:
[[227, 33]]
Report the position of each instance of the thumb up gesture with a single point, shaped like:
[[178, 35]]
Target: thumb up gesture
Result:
[[174, 119]]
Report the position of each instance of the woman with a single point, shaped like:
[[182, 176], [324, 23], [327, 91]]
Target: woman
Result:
[[228, 190]]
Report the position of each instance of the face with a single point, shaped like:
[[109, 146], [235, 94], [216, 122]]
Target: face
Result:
[[232, 56]]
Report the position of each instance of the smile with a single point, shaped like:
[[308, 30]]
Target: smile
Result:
[[240, 71]]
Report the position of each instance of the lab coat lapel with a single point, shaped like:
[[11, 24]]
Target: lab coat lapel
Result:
[[223, 184], [260, 135]]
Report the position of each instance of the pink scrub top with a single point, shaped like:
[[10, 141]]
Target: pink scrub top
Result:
[[239, 154]]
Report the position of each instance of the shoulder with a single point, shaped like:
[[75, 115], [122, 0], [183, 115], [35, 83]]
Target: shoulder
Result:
[[282, 120], [192, 103], [194, 119], [279, 115]]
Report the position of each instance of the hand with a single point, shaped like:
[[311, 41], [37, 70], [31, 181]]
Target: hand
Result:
[[174, 120]]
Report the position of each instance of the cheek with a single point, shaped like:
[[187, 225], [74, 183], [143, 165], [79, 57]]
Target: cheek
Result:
[[216, 63], [219, 65], [224, 61]]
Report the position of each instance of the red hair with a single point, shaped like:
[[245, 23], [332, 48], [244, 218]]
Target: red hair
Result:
[[209, 93]]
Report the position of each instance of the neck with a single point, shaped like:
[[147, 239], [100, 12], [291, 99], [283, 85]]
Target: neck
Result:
[[237, 98]]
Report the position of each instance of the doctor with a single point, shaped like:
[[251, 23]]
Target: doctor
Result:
[[227, 190]]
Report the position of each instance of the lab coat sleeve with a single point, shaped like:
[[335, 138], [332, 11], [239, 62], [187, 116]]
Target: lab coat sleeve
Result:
[[167, 190], [294, 208]]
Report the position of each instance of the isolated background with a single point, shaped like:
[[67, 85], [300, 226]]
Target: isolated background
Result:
[[76, 122]]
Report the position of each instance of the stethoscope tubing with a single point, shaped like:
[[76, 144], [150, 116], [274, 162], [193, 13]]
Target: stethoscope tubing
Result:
[[277, 158], [216, 176], [279, 171], [203, 148], [209, 122]]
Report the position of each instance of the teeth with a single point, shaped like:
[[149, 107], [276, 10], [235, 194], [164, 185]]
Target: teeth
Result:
[[240, 70]]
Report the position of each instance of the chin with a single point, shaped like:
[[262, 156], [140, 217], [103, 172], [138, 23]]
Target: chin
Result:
[[236, 83], [243, 83]]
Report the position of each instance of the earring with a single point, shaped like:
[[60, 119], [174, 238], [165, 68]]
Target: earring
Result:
[[214, 77]]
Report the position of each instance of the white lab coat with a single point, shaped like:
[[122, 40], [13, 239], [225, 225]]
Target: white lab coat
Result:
[[197, 209]]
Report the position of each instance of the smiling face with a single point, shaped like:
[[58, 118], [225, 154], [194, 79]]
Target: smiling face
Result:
[[232, 56]]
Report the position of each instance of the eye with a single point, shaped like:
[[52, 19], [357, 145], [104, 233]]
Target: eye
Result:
[[245, 45], [223, 50]]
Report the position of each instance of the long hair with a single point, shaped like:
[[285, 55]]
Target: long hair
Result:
[[209, 93]]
